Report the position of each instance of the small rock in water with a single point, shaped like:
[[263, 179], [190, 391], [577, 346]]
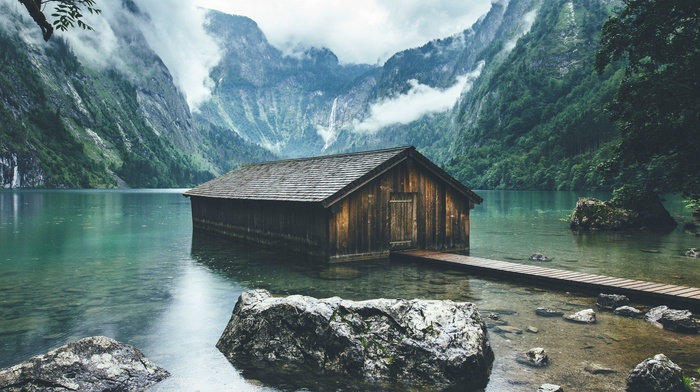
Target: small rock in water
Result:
[[508, 329], [692, 252], [532, 329], [611, 301], [536, 357], [538, 257], [658, 374], [595, 368], [627, 311], [586, 316], [550, 388], [546, 312]]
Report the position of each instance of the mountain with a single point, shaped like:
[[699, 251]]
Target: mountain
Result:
[[527, 113], [511, 102], [65, 124]]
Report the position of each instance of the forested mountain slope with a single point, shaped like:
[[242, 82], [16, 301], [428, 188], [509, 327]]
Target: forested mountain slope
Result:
[[537, 120]]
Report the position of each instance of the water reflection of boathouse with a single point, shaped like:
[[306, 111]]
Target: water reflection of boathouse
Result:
[[339, 207]]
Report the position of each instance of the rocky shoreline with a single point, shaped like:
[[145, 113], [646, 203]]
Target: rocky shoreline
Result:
[[382, 344]]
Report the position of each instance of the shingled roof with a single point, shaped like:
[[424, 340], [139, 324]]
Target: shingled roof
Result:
[[324, 179]]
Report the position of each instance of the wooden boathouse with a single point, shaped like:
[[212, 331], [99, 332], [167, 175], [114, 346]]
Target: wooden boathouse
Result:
[[344, 207]]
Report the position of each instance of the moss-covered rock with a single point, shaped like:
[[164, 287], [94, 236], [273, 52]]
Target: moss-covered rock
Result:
[[594, 214]]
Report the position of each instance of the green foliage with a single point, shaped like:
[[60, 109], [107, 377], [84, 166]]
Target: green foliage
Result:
[[657, 105], [70, 12]]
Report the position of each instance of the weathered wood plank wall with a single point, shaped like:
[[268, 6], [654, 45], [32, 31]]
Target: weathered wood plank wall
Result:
[[294, 226]]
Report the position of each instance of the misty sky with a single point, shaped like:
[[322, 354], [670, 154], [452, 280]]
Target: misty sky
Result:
[[361, 31]]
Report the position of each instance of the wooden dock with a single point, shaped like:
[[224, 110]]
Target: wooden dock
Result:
[[637, 290]]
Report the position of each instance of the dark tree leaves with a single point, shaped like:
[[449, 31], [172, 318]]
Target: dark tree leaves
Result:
[[66, 14], [657, 106]]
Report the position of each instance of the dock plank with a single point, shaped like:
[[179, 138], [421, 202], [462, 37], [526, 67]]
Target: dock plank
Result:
[[640, 290]]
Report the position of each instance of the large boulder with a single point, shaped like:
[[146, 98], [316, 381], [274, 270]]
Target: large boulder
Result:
[[433, 344], [92, 364], [657, 374]]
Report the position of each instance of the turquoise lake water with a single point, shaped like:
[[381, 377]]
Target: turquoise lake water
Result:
[[125, 264]]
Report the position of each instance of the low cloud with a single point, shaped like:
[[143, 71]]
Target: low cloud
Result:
[[174, 30], [366, 31], [524, 27], [419, 101]]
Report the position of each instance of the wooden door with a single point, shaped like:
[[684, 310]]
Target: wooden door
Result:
[[402, 213]]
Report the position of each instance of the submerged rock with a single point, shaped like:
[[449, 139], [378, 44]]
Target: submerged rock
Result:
[[435, 344], [586, 316], [657, 374], [92, 364], [612, 301], [547, 312], [595, 368]]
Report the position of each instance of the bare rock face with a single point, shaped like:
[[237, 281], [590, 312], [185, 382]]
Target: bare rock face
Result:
[[96, 363], [657, 374], [433, 344]]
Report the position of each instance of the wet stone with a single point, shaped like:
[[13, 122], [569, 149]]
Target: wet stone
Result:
[[595, 368], [550, 388], [536, 357], [547, 312], [508, 329], [532, 329], [586, 316], [612, 301], [657, 374], [538, 257], [627, 311]]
